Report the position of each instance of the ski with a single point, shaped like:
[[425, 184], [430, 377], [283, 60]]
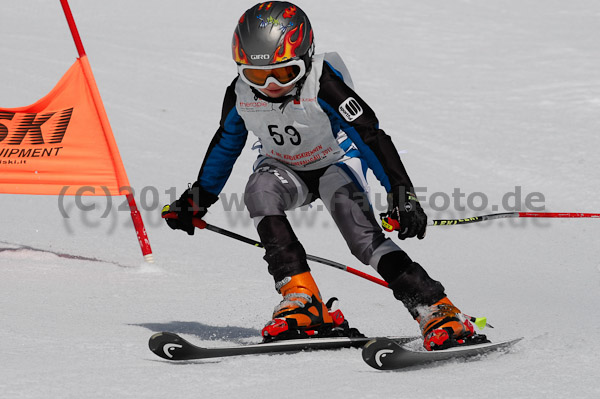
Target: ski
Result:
[[171, 346], [386, 354]]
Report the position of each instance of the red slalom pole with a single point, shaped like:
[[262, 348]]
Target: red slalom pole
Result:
[[73, 27], [136, 217], [140, 229]]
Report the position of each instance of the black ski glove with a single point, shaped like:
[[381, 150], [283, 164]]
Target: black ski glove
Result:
[[404, 215], [193, 204]]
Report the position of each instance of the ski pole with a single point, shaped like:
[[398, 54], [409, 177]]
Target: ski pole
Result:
[[450, 222], [201, 224], [480, 322], [391, 224]]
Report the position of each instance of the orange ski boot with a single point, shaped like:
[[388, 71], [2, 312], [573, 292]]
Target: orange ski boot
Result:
[[444, 326], [301, 313]]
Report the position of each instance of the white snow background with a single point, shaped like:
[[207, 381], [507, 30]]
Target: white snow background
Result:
[[483, 96]]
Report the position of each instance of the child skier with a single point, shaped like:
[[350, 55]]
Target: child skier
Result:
[[317, 139]]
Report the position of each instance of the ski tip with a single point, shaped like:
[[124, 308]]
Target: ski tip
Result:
[[163, 343], [376, 351], [513, 341], [164, 336], [385, 354], [156, 336]]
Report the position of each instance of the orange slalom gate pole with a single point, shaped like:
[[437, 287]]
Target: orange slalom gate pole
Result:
[[136, 217]]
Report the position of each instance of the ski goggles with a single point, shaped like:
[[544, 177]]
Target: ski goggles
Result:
[[284, 74]]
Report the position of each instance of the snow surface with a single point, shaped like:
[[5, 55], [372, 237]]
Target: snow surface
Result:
[[482, 96]]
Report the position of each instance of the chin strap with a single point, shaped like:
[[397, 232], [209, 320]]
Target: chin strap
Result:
[[282, 101], [258, 94], [308, 62], [289, 98]]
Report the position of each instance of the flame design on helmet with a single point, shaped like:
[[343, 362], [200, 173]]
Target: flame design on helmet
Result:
[[272, 32], [287, 50], [238, 53], [268, 6], [290, 12]]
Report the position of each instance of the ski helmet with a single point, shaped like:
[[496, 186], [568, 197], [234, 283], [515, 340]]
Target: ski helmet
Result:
[[272, 32]]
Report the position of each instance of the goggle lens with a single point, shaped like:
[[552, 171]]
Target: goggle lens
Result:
[[282, 74]]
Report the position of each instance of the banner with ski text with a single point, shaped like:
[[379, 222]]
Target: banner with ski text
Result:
[[62, 142]]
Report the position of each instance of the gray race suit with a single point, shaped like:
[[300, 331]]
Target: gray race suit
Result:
[[318, 145]]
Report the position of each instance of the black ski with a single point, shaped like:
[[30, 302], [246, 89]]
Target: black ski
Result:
[[171, 346], [385, 354]]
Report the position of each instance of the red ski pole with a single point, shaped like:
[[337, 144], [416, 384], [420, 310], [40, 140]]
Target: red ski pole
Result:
[[482, 218], [390, 224], [201, 224], [481, 322]]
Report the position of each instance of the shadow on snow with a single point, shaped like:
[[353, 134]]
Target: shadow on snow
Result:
[[203, 331]]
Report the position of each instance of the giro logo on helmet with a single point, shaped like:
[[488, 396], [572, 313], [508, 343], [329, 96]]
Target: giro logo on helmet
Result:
[[260, 56]]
